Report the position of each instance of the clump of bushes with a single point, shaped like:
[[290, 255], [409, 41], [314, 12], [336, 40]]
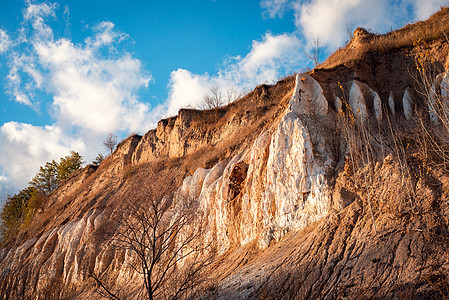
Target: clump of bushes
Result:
[[20, 208]]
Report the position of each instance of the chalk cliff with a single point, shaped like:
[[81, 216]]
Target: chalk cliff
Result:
[[291, 208]]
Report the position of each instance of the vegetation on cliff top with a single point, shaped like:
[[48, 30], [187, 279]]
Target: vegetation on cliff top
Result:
[[20, 208]]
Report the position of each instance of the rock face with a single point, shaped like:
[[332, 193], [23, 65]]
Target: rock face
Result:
[[357, 101], [438, 104], [279, 183], [285, 183], [391, 104], [408, 103], [308, 97], [377, 106], [435, 93]]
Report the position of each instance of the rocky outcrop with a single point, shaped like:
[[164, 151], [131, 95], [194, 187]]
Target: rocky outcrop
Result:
[[285, 184], [281, 182], [408, 103], [357, 102], [391, 104], [308, 97], [271, 178], [192, 130], [343, 256]]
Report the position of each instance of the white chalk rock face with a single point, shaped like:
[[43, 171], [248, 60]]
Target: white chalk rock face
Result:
[[357, 102], [254, 189], [308, 97], [297, 192], [408, 103], [445, 87], [338, 104], [284, 183], [213, 202], [391, 104], [444, 99], [435, 97], [192, 185], [377, 105]]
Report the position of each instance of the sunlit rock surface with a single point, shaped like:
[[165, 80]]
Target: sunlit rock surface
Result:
[[408, 104], [391, 104], [435, 96], [357, 102], [308, 97], [284, 186]]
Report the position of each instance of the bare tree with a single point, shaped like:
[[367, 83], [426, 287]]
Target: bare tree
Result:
[[350, 31], [314, 55], [110, 142], [213, 100], [166, 241], [232, 94]]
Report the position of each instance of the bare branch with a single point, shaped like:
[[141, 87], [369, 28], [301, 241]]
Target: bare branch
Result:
[[165, 240], [110, 142], [314, 55]]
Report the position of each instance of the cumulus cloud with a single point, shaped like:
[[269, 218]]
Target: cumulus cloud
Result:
[[35, 14], [25, 147], [92, 84], [5, 189], [90, 90], [93, 88], [331, 21], [424, 8], [269, 57]]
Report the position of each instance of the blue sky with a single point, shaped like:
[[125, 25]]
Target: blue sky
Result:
[[73, 71]]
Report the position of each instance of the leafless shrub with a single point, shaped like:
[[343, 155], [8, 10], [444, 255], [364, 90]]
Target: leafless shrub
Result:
[[314, 54], [359, 152], [110, 142], [218, 97], [433, 131], [213, 100], [166, 242], [232, 94]]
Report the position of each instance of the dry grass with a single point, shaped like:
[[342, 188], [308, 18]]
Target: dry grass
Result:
[[430, 30]]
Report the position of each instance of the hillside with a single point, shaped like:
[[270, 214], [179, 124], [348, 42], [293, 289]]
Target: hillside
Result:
[[332, 184]]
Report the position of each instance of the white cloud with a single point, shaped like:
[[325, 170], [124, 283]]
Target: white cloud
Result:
[[5, 42], [268, 59], [105, 34], [274, 8], [424, 8], [186, 90], [91, 92], [25, 147], [93, 89], [330, 20], [5, 189], [35, 13], [66, 14], [23, 78], [93, 85]]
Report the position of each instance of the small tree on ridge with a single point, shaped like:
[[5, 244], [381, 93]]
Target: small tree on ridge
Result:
[[110, 142]]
